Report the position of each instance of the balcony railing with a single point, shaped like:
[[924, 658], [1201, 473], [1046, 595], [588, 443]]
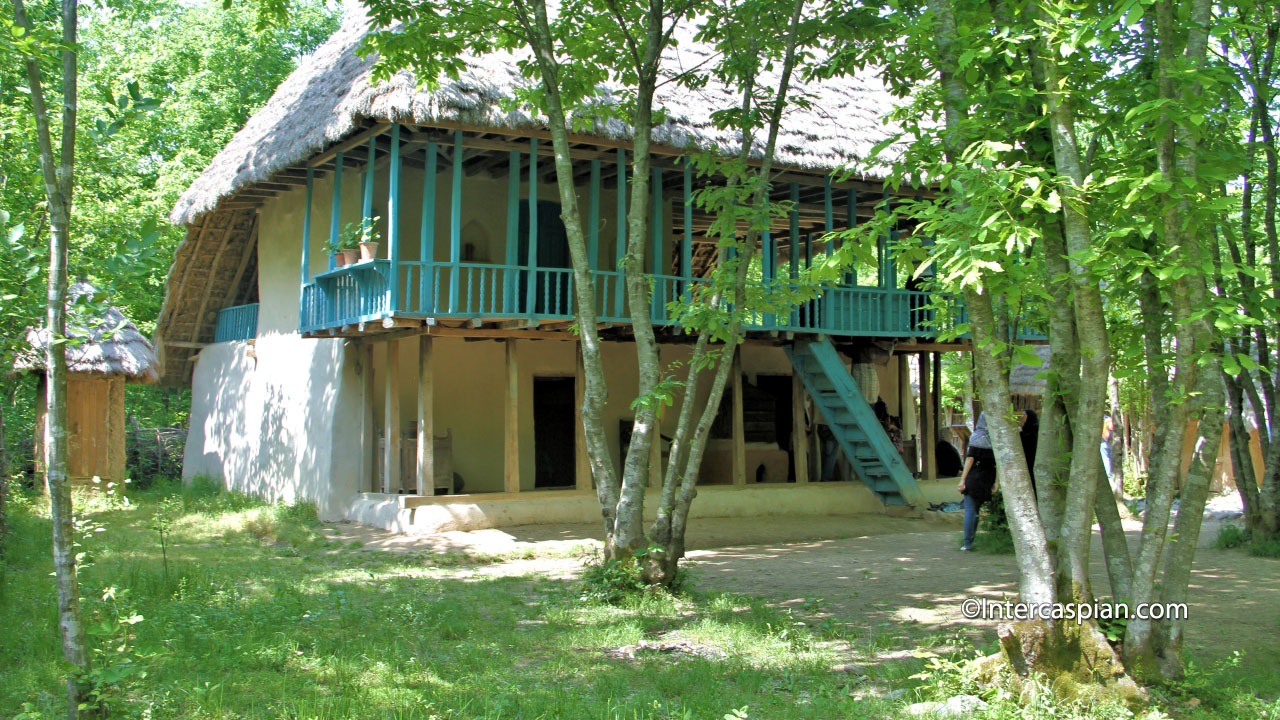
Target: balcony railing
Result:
[[236, 323], [362, 293]]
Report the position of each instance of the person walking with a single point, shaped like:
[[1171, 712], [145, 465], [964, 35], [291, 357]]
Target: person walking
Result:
[[978, 482]]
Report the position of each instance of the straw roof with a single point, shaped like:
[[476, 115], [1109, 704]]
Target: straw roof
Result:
[[102, 344], [330, 97], [330, 93]]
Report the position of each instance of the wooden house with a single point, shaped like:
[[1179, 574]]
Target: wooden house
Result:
[[317, 381], [104, 352]]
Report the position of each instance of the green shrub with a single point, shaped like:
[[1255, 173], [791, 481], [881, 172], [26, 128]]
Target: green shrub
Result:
[[1269, 548], [611, 581], [1230, 536]]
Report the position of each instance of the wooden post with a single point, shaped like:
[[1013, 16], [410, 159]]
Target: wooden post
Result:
[[739, 429], [510, 276], [531, 292], [393, 222], [928, 436], [426, 418], [115, 430], [582, 473], [620, 249], [391, 418], [799, 438], [306, 228], [369, 434], [511, 422], [455, 221], [686, 245], [937, 395], [658, 306], [851, 205], [335, 207], [593, 217], [427, 233]]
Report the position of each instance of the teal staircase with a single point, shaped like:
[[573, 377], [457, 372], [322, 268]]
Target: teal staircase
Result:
[[872, 454]]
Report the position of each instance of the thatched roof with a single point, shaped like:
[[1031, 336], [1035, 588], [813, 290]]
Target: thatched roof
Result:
[[105, 343], [1022, 378], [330, 93], [329, 98]]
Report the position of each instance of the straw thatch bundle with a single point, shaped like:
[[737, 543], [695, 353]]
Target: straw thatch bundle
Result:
[[330, 93], [105, 343]]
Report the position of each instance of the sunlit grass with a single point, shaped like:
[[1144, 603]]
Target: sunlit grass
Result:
[[262, 616]]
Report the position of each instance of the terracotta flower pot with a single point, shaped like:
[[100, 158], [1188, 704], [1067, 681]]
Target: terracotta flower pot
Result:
[[339, 259], [350, 256], [368, 251]]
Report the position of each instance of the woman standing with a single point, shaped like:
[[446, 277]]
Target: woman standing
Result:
[[978, 481]]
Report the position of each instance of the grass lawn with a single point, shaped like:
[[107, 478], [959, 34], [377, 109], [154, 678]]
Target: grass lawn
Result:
[[261, 616]]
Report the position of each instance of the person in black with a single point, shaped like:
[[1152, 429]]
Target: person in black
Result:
[[1030, 435], [978, 482], [948, 458]]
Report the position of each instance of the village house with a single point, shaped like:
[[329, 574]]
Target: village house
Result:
[[434, 385]]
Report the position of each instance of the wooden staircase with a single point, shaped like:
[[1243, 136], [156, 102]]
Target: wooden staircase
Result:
[[862, 438]]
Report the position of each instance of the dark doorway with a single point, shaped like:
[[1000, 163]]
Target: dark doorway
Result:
[[553, 432], [551, 291]]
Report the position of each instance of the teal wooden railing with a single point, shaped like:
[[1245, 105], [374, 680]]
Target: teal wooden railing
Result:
[[236, 323], [436, 287], [364, 293]]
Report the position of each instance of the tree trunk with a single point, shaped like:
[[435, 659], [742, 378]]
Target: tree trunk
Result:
[[58, 192], [683, 466], [1091, 330], [596, 391], [1053, 453]]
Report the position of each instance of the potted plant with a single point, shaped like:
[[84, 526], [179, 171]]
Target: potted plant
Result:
[[367, 237], [343, 248]]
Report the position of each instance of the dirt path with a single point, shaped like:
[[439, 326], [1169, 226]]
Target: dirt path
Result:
[[888, 576]]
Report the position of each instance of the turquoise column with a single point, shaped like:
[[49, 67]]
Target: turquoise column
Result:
[[655, 240], [306, 228], [427, 235], [512, 259], [828, 215], [593, 218], [393, 222], [306, 252], [335, 206], [366, 208], [532, 290], [686, 247], [621, 250], [851, 204], [455, 222]]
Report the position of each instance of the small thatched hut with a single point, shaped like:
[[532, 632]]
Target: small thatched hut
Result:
[[105, 352]]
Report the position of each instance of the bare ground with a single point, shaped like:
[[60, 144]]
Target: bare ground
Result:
[[895, 577]]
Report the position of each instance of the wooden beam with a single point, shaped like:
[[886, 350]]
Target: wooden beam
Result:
[[739, 428], [511, 422], [369, 431], [931, 347], [185, 344], [354, 141], [799, 436], [391, 418], [500, 334], [928, 440], [582, 464], [426, 418]]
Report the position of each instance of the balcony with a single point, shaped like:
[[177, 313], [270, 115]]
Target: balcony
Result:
[[236, 323], [374, 290]]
